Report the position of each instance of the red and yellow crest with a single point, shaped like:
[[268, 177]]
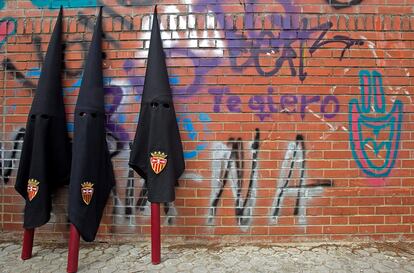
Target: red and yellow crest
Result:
[[158, 161], [32, 188], [87, 192]]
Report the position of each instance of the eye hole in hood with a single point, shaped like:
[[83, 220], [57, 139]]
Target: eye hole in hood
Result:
[[164, 101], [43, 116], [84, 114]]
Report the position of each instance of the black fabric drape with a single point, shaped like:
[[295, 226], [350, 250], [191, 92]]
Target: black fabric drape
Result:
[[46, 153], [92, 175], [157, 153]]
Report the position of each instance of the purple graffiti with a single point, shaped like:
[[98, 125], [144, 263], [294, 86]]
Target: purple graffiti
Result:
[[281, 46], [265, 105], [201, 67], [247, 46], [114, 94]]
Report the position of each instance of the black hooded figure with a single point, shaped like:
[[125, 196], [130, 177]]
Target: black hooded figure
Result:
[[46, 153], [157, 153], [92, 175]]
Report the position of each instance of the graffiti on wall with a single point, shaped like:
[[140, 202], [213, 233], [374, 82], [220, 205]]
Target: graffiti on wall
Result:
[[187, 122], [284, 51], [290, 46], [282, 47], [53, 4], [117, 100], [132, 205], [8, 27], [292, 181], [131, 202], [248, 48], [265, 105], [65, 3], [228, 168], [374, 132], [20, 77], [7, 157]]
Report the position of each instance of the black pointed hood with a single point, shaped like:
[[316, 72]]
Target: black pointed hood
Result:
[[46, 155], [92, 175], [157, 152], [91, 93], [156, 76], [48, 98]]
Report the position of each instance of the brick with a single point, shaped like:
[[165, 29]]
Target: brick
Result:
[[392, 229], [340, 229], [224, 46]]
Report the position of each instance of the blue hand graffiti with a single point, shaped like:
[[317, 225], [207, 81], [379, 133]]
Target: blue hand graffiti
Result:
[[365, 128]]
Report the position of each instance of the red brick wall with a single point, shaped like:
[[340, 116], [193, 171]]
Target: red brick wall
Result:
[[296, 115]]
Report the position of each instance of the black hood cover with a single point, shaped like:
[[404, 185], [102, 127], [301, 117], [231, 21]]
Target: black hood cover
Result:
[[157, 153], [46, 153], [92, 176]]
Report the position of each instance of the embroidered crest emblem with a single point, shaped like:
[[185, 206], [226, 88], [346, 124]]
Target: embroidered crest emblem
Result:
[[87, 192], [158, 161], [32, 188]]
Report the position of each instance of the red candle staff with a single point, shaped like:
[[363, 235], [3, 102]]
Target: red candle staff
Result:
[[28, 237], [155, 233], [157, 152], [92, 175], [73, 253], [45, 157]]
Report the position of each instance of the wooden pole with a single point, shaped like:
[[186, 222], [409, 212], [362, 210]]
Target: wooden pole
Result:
[[73, 255], [28, 237], [155, 233]]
